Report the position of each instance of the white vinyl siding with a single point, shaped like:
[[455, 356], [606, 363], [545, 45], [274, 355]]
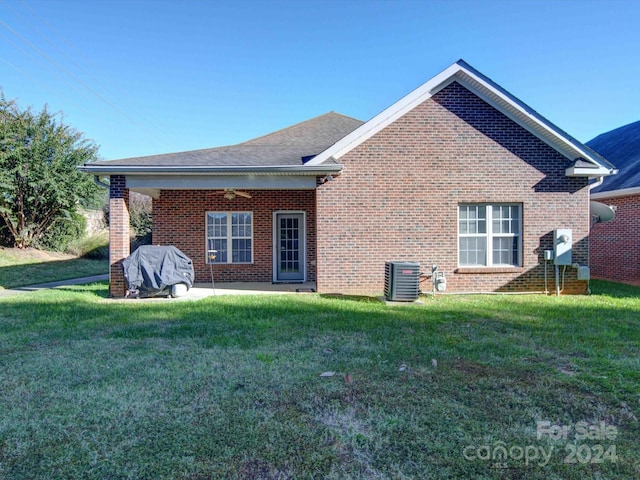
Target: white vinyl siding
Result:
[[231, 234], [489, 235]]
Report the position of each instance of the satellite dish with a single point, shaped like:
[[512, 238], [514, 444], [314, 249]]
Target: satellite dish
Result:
[[601, 213]]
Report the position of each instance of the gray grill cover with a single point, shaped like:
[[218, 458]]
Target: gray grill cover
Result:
[[151, 269]]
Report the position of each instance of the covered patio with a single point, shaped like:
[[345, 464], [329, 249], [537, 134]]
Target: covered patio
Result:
[[253, 204]]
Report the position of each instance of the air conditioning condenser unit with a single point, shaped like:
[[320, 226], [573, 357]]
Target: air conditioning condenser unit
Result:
[[401, 281]]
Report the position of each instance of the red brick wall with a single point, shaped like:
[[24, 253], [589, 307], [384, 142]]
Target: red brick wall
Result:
[[179, 219], [118, 233], [398, 197], [615, 245]]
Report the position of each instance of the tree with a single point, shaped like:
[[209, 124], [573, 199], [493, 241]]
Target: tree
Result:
[[40, 187]]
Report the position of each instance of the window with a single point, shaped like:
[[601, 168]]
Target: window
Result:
[[489, 235], [231, 234]]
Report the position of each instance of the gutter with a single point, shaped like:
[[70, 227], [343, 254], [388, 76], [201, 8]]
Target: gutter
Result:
[[316, 170], [622, 192]]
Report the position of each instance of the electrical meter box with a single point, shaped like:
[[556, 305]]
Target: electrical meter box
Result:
[[562, 242]]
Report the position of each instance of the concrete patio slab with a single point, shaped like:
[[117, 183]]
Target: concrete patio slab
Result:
[[198, 291], [203, 290]]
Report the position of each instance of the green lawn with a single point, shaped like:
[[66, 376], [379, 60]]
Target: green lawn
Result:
[[20, 270], [230, 387]]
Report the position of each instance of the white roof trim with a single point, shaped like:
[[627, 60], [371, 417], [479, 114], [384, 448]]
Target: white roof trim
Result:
[[304, 170], [524, 116], [485, 89], [622, 192], [209, 182], [591, 172]]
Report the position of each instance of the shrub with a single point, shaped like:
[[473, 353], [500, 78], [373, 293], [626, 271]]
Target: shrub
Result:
[[140, 214], [95, 247], [64, 231], [140, 218]]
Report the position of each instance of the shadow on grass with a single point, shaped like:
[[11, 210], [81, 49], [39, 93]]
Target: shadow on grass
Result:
[[252, 319], [479, 328], [613, 289], [351, 298], [89, 290]]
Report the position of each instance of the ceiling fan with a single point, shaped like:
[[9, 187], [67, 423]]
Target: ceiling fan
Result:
[[231, 193]]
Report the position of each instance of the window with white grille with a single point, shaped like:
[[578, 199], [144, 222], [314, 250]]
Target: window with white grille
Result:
[[231, 234], [489, 235]]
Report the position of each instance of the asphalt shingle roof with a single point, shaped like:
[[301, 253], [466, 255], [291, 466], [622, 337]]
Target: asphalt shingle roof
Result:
[[283, 147], [622, 147]]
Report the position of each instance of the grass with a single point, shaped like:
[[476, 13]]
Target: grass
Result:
[[230, 387], [27, 267], [95, 246]]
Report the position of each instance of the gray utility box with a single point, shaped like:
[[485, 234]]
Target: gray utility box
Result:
[[562, 243], [401, 281]]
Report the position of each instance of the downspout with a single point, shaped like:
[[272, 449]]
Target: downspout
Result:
[[597, 183], [100, 183]]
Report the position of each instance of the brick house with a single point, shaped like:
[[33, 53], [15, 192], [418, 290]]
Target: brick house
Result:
[[458, 173], [615, 245]]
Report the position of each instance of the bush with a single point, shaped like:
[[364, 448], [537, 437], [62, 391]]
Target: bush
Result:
[[64, 231], [140, 214], [94, 247], [140, 217]]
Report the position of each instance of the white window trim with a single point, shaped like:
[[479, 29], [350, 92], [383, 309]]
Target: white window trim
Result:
[[489, 235], [229, 238]]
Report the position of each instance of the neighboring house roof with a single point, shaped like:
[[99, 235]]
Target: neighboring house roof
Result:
[[278, 150], [621, 146], [586, 161]]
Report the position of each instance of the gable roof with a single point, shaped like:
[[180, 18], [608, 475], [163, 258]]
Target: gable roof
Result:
[[314, 147], [622, 146], [592, 164], [281, 150]]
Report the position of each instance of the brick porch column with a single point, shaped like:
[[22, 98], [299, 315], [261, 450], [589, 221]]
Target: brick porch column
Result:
[[118, 233]]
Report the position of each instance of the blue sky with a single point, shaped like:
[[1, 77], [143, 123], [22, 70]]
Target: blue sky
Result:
[[141, 77]]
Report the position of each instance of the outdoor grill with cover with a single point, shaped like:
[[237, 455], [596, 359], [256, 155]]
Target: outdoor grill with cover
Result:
[[153, 270]]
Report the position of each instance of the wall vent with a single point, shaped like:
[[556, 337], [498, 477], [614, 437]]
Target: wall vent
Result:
[[401, 281]]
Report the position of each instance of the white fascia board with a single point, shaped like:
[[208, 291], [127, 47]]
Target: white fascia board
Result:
[[530, 120], [591, 172], [623, 192], [154, 170], [521, 115], [217, 182]]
